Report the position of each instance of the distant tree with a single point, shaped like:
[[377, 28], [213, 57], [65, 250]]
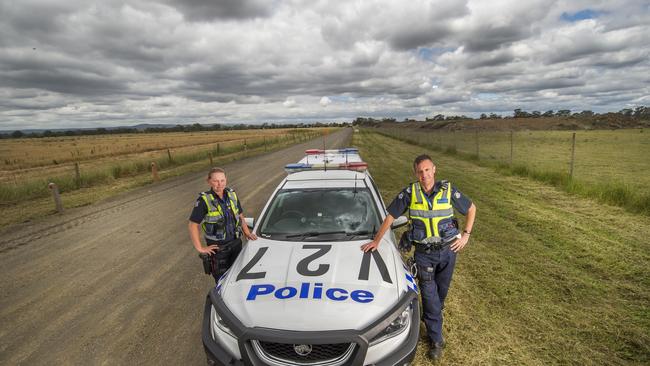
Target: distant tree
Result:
[[586, 113], [627, 112], [47, 133], [483, 116], [439, 117], [563, 113], [17, 134], [548, 113], [641, 112], [495, 116], [536, 114]]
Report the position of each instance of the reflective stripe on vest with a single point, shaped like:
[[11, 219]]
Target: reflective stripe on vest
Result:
[[430, 216], [215, 214]]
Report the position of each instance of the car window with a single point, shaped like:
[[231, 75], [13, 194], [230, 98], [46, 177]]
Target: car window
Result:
[[331, 214]]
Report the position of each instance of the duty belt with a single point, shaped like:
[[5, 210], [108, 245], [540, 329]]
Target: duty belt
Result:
[[432, 243]]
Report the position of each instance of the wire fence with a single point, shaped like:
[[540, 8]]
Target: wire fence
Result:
[[603, 162]]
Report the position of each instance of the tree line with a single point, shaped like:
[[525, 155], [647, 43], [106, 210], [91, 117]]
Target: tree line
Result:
[[636, 113], [195, 127]]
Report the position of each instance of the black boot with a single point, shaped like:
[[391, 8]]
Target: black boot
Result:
[[435, 350]]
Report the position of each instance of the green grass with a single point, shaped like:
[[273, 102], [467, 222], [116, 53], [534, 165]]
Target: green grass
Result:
[[609, 165], [547, 278]]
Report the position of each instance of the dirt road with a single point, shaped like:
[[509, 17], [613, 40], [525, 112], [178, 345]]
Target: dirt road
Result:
[[118, 283]]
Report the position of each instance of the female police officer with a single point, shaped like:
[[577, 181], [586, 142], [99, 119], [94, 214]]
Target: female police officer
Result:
[[220, 215], [434, 231]]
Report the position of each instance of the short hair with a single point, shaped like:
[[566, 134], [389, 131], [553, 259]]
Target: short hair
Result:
[[421, 158], [215, 170]]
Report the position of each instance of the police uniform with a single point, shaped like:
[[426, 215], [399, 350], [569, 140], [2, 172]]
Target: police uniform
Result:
[[432, 229], [219, 219]]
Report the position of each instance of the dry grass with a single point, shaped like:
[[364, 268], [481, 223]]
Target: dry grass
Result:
[[28, 158]]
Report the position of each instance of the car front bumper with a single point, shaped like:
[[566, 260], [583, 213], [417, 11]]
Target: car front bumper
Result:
[[218, 355]]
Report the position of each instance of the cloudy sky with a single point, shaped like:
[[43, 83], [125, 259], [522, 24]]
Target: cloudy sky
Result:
[[84, 63]]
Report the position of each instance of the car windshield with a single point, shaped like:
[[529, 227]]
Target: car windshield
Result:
[[332, 214]]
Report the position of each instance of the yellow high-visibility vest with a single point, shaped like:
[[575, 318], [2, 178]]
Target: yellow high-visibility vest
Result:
[[430, 214], [215, 215]]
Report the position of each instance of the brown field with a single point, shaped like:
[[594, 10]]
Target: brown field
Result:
[[31, 158]]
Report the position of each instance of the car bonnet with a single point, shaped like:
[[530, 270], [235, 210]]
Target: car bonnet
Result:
[[311, 286]]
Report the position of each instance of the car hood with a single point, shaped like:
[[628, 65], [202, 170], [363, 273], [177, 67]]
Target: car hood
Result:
[[311, 286]]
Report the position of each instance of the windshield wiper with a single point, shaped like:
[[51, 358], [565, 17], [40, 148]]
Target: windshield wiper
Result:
[[366, 233], [311, 234]]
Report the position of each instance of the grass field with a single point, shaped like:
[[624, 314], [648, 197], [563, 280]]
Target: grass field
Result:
[[547, 278], [22, 199], [609, 165]]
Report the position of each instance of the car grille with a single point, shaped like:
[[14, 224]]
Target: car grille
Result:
[[320, 354]]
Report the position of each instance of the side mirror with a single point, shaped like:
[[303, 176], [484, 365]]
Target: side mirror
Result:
[[250, 222], [399, 222]]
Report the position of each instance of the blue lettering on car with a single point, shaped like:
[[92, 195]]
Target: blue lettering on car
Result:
[[306, 291]]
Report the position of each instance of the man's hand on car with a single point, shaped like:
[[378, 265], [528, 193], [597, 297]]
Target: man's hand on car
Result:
[[370, 247]]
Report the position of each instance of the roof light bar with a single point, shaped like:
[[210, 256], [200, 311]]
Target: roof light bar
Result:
[[346, 150], [299, 167]]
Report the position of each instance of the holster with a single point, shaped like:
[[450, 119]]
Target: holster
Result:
[[207, 263]]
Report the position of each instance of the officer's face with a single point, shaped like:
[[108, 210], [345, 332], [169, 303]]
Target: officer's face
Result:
[[218, 182], [425, 172]]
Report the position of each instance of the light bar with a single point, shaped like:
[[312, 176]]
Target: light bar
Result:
[[299, 167], [346, 150]]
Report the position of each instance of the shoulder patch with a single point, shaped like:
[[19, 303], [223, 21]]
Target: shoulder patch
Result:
[[401, 195], [457, 194]]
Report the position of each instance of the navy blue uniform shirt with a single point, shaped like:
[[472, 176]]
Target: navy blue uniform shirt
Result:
[[201, 209], [402, 202]]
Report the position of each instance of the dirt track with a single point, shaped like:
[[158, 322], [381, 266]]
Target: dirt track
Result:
[[119, 282]]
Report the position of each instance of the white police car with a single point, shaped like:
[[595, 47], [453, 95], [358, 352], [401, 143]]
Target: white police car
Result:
[[304, 293]]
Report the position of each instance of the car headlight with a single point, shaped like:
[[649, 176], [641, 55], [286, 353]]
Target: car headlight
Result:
[[396, 327], [217, 322]]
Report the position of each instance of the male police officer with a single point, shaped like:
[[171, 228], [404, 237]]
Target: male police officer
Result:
[[220, 215], [434, 231]]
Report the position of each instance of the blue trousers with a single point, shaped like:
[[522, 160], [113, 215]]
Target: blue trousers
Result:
[[434, 273]]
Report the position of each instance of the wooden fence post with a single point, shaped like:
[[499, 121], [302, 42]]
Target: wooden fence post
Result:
[[169, 155], [210, 156], [77, 175], [57, 197], [511, 148], [264, 143], [217, 149], [154, 171], [573, 154]]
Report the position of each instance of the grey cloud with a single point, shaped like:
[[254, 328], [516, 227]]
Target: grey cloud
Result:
[[208, 10], [489, 37]]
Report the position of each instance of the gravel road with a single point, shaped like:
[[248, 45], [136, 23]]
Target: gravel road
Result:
[[119, 283]]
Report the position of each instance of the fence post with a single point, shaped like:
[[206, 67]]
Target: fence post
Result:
[[210, 156], [77, 175], [57, 197], [573, 154], [217, 148], [264, 143], [169, 155], [154, 171], [511, 148]]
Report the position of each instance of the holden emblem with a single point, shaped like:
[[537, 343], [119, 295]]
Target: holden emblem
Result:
[[302, 349]]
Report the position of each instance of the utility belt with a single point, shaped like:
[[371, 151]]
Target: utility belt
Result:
[[433, 243], [219, 262]]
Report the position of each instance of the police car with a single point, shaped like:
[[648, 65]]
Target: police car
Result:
[[304, 293]]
